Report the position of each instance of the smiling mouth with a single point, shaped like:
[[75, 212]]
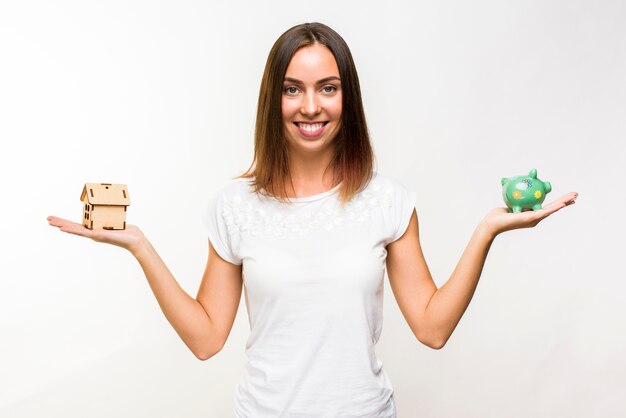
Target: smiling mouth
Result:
[[310, 127], [311, 130]]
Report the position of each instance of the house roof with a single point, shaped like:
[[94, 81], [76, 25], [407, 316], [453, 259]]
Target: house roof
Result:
[[105, 194]]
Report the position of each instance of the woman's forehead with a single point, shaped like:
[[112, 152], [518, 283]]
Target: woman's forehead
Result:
[[312, 62]]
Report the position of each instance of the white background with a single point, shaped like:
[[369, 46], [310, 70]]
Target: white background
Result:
[[162, 96]]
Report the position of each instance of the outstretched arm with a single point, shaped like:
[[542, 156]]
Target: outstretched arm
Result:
[[203, 323], [433, 314]]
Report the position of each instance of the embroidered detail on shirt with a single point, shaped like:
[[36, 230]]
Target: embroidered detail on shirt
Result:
[[242, 216]]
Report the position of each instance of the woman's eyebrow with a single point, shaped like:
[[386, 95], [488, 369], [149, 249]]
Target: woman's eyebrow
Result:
[[322, 81]]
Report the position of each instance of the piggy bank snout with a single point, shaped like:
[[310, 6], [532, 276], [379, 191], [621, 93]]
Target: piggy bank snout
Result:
[[547, 186]]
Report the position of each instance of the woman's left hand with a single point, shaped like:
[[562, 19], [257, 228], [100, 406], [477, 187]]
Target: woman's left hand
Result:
[[499, 220]]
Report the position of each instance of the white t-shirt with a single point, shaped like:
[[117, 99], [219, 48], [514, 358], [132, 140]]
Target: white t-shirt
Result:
[[313, 284]]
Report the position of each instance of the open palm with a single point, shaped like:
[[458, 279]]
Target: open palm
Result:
[[128, 238], [500, 220]]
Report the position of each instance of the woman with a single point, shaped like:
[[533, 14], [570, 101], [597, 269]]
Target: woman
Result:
[[309, 229]]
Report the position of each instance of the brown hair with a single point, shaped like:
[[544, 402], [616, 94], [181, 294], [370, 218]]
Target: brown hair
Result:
[[354, 158]]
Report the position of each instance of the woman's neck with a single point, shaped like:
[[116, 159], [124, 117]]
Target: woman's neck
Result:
[[309, 180]]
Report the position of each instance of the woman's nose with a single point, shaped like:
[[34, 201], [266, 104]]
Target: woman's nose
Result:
[[310, 105]]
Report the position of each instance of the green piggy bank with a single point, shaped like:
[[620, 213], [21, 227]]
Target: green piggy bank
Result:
[[524, 192]]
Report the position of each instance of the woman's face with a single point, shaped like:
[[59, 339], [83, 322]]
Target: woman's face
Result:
[[311, 99]]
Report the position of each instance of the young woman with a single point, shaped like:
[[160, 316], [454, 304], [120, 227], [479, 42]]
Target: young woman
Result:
[[309, 230]]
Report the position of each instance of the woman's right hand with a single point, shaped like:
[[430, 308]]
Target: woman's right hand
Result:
[[130, 238]]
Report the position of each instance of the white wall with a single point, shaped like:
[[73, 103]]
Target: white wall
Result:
[[162, 95]]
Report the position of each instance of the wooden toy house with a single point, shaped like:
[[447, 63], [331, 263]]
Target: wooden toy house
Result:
[[104, 205]]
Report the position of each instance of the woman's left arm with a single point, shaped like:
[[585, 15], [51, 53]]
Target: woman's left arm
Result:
[[433, 314]]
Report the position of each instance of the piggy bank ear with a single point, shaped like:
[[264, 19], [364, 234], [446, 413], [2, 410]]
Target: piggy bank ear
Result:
[[533, 173], [504, 180]]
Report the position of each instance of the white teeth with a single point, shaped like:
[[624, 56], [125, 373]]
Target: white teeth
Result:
[[311, 127]]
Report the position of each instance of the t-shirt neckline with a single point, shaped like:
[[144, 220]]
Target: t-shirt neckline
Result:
[[315, 196], [312, 197]]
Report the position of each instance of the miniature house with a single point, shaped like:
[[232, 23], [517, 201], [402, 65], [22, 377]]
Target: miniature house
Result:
[[104, 205]]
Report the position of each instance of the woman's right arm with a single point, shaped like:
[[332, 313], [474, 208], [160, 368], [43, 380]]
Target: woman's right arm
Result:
[[203, 323]]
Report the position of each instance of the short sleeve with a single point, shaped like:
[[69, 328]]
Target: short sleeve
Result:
[[217, 229], [402, 206]]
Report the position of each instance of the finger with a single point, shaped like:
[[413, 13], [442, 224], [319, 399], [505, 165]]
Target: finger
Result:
[[572, 200], [563, 201], [68, 226], [60, 222], [569, 197], [77, 229], [56, 221], [552, 207]]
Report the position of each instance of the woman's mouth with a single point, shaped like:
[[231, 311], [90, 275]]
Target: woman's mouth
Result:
[[311, 130]]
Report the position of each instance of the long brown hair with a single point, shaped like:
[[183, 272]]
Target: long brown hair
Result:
[[353, 161]]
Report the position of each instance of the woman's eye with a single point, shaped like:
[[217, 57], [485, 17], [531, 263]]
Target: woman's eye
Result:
[[329, 89], [291, 90]]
